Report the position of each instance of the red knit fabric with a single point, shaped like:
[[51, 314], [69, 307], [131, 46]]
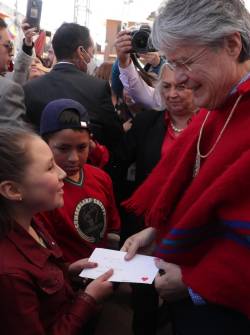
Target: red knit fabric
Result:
[[204, 223], [40, 43]]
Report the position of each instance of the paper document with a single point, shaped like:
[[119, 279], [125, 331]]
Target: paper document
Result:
[[140, 269]]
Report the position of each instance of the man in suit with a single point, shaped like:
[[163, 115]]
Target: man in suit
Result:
[[73, 47], [11, 94]]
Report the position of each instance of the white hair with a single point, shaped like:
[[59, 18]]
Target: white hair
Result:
[[203, 22]]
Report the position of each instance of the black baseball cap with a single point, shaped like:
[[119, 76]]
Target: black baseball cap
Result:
[[50, 119]]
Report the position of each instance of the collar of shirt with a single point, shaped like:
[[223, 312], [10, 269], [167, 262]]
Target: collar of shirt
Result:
[[64, 62], [243, 79], [32, 250]]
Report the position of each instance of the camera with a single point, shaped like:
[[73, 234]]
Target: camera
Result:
[[33, 14], [141, 40]]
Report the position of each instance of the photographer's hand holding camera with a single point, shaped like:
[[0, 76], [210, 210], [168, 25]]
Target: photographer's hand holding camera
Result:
[[136, 42], [152, 58], [152, 61], [138, 89], [123, 46]]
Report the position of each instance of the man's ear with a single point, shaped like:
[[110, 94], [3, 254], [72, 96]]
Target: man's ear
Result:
[[10, 190], [80, 52], [233, 45]]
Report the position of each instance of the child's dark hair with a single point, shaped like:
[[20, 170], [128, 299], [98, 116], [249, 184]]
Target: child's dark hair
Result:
[[13, 163], [69, 116]]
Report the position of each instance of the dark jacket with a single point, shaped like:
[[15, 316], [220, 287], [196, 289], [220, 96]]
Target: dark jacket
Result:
[[66, 81], [142, 144]]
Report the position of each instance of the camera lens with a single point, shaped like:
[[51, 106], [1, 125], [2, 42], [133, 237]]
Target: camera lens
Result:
[[140, 40]]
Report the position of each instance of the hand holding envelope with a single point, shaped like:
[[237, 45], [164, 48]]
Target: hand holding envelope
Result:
[[140, 269]]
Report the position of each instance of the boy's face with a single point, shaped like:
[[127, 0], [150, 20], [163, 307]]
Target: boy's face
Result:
[[70, 149]]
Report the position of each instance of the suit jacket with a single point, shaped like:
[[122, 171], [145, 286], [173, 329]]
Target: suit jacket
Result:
[[142, 144], [11, 101], [66, 81]]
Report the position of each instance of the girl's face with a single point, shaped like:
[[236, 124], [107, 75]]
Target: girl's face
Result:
[[36, 69], [42, 187]]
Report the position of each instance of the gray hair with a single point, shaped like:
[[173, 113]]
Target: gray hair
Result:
[[203, 22]]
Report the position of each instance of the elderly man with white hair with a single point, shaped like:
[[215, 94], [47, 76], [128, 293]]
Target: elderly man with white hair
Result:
[[196, 201]]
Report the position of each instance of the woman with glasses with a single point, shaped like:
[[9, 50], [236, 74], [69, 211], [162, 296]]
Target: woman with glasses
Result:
[[196, 202], [150, 138], [153, 132]]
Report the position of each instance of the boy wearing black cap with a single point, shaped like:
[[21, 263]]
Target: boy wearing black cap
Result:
[[89, 214]]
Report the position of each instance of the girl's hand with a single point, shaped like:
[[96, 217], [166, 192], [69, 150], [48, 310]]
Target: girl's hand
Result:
[[100, 288], [76, 267]]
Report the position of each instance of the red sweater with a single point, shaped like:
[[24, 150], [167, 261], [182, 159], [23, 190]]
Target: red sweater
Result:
[[88, 214], [204, 223]]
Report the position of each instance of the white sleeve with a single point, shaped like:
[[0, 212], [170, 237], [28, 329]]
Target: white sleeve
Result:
[[138, 89]]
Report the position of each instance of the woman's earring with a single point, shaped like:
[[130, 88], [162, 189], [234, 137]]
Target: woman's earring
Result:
[[20, 198]]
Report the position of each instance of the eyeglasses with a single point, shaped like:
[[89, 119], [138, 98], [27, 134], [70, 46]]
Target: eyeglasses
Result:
[[186, 65], [8, 45]]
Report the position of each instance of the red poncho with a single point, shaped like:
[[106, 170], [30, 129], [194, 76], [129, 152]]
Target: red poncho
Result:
[[204, 222]]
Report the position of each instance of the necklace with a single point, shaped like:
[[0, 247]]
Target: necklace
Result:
[[179, 130], [199, 156], [175, 129]]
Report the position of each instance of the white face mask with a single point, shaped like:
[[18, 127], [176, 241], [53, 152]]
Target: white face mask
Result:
[[91, 64]]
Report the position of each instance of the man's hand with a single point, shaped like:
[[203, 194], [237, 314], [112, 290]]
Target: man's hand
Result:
[[142, 242], [127, 125], [169, 283], [152, 58], [29, 33], [123, 46]]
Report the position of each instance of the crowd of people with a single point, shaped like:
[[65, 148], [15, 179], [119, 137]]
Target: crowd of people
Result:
[[152, 161]]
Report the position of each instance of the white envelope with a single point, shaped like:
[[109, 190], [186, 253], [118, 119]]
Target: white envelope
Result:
[[140, 269]]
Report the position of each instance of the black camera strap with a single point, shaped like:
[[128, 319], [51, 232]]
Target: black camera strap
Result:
[[147, 77]]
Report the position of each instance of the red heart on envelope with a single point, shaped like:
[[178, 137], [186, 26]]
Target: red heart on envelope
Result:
[[144, 278]]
